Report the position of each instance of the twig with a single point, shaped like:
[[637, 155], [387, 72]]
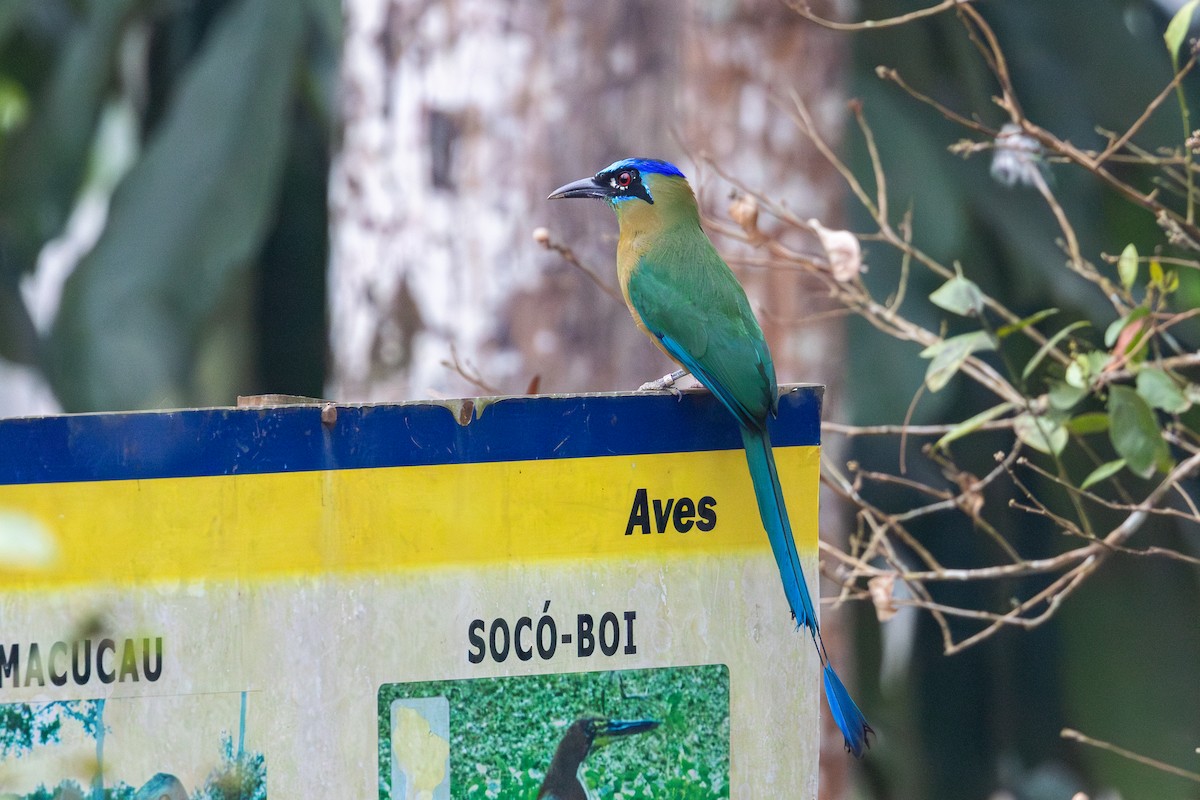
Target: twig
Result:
[[889, 74], [906, 232], [468, 373], [981, 34], [1053, 596], [908, 415], [543, 237], [911, 430], [802, 8], [1117, 144], [881, 193], [1076, 736]]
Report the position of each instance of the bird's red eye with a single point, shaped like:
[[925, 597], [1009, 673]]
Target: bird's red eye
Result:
[[624, 179]]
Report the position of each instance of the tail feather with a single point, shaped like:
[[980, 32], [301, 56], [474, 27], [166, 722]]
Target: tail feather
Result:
[[765, 476], [849, 719]]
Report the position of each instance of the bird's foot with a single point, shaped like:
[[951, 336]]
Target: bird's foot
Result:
[[666, 382]]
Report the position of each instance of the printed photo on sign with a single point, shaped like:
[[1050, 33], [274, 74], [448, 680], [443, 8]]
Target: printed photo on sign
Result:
[[634, 733], [179, 747]]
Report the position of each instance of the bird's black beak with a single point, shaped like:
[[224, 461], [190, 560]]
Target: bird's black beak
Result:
[[606, 732], [585, 187]]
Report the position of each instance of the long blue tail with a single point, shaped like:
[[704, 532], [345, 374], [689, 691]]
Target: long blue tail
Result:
[[765, 477]]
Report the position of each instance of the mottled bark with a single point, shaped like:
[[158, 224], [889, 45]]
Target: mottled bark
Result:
[[460, 117]]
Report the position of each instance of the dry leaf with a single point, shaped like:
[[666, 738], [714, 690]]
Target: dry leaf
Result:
[[882, 592], [842, 250]]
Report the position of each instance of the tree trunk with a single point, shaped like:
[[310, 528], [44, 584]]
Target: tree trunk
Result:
[[459, 119]]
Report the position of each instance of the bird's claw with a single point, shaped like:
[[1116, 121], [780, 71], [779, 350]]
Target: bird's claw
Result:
[[666, 382], [659, 386]]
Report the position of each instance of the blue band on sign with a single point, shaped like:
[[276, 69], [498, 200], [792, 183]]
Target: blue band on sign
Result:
[[227, 441]]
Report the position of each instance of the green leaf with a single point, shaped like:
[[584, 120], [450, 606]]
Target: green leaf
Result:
[[1156, 272], [187, 220], [1134, 432], [959, 296], [1050, 344], [44, 162], [1103, 472], [1041, 433], [1091, 422], [44, 159], [1158, 388], [1170, 282], [1127, 266], [1177, 29], [1113, 331], [14, 105], [1083, 367], [973, 424], [1020, 325], [948, 356], [1063, 396]]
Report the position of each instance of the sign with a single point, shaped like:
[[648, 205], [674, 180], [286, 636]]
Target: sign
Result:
[[404, 601]]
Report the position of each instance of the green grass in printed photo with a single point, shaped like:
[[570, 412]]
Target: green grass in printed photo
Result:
[[647, 734]]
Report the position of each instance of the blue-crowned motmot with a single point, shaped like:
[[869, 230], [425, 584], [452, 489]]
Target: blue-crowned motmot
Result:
[[686, 299]]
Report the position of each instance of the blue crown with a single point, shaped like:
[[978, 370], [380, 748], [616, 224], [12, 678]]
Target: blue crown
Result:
[[650, 165]]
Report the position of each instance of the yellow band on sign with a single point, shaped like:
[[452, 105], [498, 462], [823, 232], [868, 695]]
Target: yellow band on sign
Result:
[[381, 519]]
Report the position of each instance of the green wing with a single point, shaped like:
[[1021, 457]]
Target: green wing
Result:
[[690, 300]]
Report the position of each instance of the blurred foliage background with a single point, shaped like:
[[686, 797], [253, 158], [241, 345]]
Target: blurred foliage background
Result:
[[204, 129], [212, 121], [1119, 660]]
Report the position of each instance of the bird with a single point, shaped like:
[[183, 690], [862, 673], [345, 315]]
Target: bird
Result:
[[686, 299], [564, 776]]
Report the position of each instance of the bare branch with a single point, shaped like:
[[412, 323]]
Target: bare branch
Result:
[[1119, 142], [1076, 736], [802, 8], [543, 237]]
